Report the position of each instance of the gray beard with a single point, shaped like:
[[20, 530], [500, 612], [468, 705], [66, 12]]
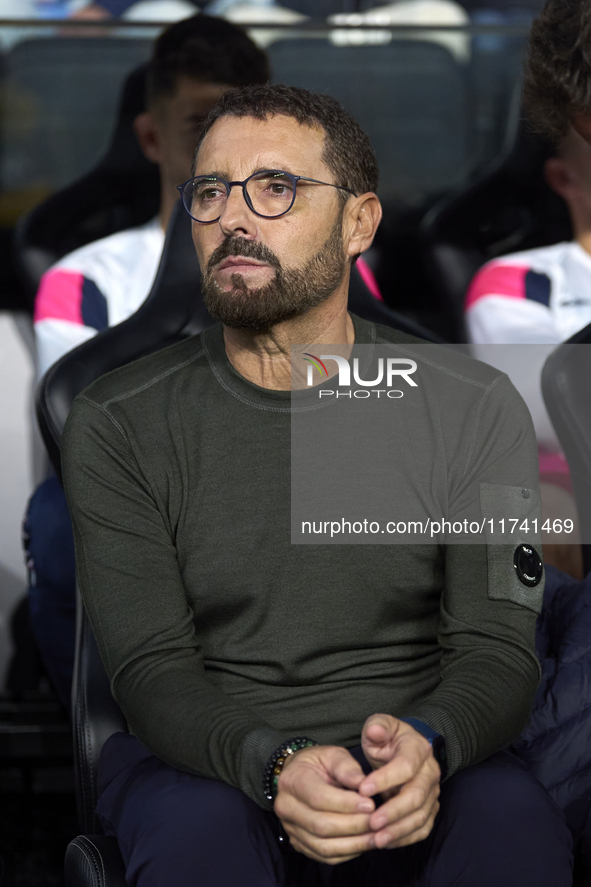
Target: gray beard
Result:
[[290, 294]]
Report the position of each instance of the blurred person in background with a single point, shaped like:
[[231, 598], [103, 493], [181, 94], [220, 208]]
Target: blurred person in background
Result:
[[242, 12], [540, 297], [165, 10], [543, 295], [104, 282], [557, 100], [557, 84], [157, 10], [423, 13]]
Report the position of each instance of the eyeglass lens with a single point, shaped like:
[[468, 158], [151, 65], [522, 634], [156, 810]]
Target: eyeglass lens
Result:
[[271, 194]]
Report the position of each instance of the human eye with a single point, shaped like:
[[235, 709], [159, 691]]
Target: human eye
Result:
[[208, 191], [274, 185], [280, 185]]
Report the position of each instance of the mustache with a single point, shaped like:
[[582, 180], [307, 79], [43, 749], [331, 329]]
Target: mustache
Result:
[[239, 246]]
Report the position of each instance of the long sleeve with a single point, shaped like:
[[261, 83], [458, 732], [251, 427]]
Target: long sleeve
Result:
[[512, 327], [509, 303], [69, 310], [489, 671], [133, 591], [222, 639]]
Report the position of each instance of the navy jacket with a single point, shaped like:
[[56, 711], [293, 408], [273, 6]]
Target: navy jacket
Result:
[[556, 744]]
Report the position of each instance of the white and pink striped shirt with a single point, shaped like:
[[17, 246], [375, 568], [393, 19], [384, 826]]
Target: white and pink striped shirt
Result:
[[538, 295], [536, 298], [94, 287]]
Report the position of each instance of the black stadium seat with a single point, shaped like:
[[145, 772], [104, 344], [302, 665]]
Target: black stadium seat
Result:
[[171, 311], [565, 386], [411, 100], [120, 192], [61, 92], [509, 209], [495, 73]]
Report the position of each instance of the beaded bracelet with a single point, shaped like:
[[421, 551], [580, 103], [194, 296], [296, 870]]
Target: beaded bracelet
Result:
[[277, 760]]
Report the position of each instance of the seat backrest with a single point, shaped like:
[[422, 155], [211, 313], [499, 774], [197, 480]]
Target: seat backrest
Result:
[[411, 101], [565, 387], [172, 310], [68, 88], [122, 191], [509, 209], [496, 73], [369, 308], [95, 717]]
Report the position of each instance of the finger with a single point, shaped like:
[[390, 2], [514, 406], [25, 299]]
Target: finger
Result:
[[318, 793], [420, 793], [378, 732], [293, 812], [329, 850], [406, 763], [410, 831], [345, 770], [401, 827], [327, 860]]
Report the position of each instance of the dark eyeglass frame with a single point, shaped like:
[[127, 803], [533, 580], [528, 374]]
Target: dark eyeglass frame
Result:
[[229, 185]]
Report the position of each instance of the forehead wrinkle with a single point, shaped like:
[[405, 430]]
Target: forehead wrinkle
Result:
[[216, 173], [261, 159], [279, 167], [258, 165]]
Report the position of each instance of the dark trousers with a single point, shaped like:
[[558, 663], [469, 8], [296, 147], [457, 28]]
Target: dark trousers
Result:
[[497, 827], [49, 544]]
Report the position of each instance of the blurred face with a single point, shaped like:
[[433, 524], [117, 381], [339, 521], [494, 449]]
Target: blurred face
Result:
[[577, 156], [569, 174], [257, 272], [581, 123], [172, 128]]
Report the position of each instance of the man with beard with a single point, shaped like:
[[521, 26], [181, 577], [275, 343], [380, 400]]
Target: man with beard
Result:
[[314, 692]]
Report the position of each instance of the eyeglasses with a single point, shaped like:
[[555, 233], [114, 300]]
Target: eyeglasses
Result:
[[269, 194]]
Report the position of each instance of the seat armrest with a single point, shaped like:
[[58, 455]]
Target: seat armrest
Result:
[[94, 861]]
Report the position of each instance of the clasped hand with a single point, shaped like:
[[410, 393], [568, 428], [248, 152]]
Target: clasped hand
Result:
[[324, 800]]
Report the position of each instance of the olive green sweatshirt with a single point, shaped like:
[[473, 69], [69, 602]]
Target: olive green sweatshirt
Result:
[[221, 638]]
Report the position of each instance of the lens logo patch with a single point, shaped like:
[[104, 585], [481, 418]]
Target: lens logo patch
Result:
[[528, 565]]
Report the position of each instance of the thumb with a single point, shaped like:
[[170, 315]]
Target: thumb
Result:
[[379, 730], [377, 738]]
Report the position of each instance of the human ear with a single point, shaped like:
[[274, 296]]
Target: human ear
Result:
[[558, 176], [362, 216], [147, 133]]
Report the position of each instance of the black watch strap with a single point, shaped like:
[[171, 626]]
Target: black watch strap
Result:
[[435, 739]]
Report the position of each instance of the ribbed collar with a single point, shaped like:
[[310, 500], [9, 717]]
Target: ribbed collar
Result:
[[268, 398]]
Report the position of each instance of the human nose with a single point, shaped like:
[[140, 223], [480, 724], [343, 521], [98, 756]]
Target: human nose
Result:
[[237, 218]]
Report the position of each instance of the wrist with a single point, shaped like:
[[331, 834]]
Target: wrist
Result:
[[277, 760], [435, 740]]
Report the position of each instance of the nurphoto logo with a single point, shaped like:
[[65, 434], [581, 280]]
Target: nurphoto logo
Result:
[[396, 368]]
